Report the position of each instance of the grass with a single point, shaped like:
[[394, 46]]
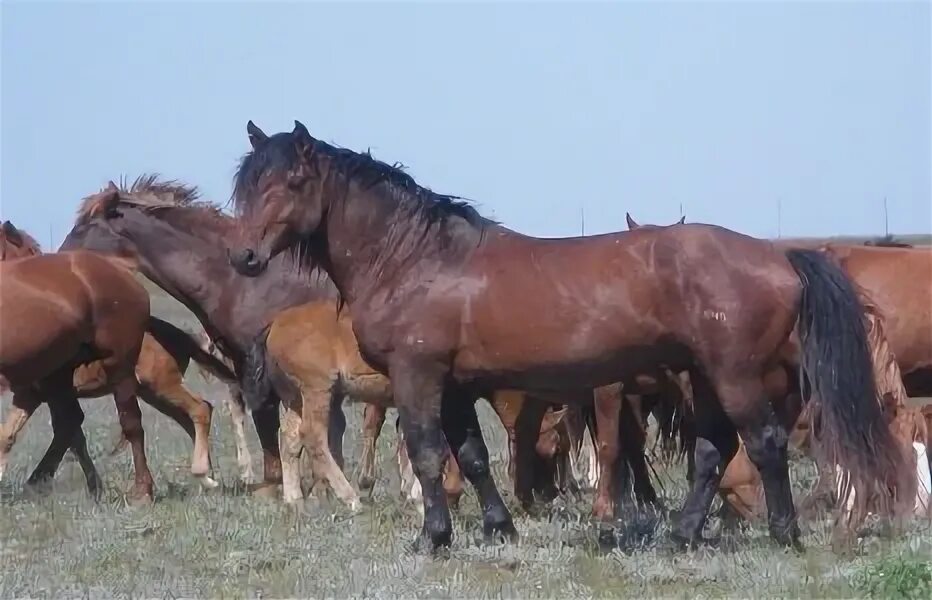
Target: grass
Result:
[[227, 544]]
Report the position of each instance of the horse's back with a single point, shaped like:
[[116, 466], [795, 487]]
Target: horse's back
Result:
[[631, 297], [899, 282], [54, 306]]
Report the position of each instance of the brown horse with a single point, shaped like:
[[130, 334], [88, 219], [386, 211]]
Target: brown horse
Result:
[[446, 302], [901, 353], [166, 353], [159, 226], [60, 312]]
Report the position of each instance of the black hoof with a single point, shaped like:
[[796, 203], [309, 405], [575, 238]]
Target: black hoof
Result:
[[437, 544], [500, 532]]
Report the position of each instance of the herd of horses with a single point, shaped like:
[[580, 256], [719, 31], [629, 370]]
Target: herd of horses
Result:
[[340, 278]]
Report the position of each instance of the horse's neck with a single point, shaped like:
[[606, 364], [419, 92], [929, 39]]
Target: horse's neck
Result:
[[366, 247]]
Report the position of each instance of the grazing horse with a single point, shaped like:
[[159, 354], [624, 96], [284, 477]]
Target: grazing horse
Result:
[[61, 312], [446, 303]]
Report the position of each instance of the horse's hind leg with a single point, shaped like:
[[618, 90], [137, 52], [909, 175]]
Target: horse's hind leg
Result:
[[747, 403], [372, 426], [716, 444], [461, 426], [66, 417], [238, 416], [131, 422], [25, 402], [193, 414]]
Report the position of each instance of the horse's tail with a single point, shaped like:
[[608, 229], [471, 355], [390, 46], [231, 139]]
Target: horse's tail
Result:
[[183, 347], [256, 384], [848, 427]]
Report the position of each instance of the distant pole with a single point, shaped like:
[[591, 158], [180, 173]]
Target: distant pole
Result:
[[51, 244], [681, 210], [886, 218], [779, 218], [582, 220]]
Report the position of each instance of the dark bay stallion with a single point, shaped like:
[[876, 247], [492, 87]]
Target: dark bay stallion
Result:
[[446, 302], [179, 243]]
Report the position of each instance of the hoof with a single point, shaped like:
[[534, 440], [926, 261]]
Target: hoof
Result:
[[266, 490], [206, 482], [504, 532], [438, 548], [139, 497]]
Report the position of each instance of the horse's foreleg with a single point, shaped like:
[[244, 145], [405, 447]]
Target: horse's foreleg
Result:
[[131, 422], [372, 426], [266, 420], [607, 402], [25, 403], [314, 430], [336, 429], [461, 427], [417, 390], [238, 416], [290, 445]]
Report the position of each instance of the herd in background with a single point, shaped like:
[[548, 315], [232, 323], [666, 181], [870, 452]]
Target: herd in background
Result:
[[347, 281]]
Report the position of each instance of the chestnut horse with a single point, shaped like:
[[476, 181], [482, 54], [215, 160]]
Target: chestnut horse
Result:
[[166, 353], [446, 303], [60, 312]]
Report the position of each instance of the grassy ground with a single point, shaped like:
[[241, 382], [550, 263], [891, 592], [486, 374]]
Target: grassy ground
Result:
[[226, 543]]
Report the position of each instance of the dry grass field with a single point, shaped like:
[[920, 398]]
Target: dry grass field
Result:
[[225, 543]]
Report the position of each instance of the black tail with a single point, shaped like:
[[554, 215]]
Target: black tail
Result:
[[849, 429], [256, 385], [184, 347]]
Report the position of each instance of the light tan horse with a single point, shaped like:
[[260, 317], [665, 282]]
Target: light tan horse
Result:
[[312, 348]]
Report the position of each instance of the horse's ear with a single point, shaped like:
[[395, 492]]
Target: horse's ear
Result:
[[257, 137], [111, 187], [632, 224], [302, 138], [682, 220], [108, 203]]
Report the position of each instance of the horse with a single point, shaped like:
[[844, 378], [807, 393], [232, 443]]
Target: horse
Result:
[[312, 347], [158, 226], [61, 312], [893, 285], [166, 353], [446, 302]]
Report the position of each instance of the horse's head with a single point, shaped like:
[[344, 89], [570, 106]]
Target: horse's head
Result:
[[15, 243], [632, 224], [279, 194], [119, 219], [99, 225]]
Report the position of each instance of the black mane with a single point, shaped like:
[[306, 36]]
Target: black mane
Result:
[[279, 152]]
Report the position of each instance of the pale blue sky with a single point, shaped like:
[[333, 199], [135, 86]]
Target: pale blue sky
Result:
[[531, 110]]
